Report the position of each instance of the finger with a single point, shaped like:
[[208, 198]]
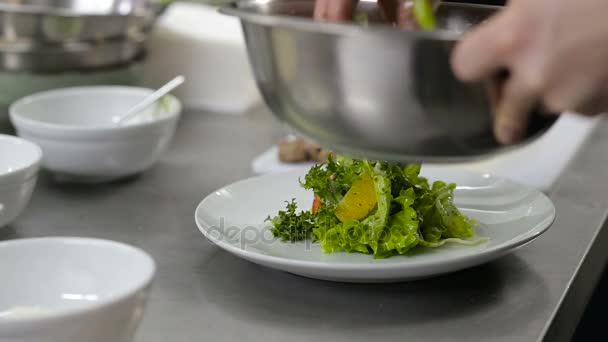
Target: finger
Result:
[[485, 49], [581, 94], [335, 10], [390, 9], [405, 15], [514, 105], [593, 106]]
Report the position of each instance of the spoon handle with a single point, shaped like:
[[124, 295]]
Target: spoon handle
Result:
[[151, 99]]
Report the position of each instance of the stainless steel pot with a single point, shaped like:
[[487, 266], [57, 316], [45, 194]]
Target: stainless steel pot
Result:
[[375, 92], [59, 21], [69, 56]]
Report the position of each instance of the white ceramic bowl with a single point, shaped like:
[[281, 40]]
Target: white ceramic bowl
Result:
[[74, 128], [16, 85], [72, 290], [19, 165]]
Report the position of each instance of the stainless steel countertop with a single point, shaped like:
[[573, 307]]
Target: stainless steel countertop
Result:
[[204, 294]]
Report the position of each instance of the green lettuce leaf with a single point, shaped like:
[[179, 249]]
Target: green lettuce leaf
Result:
[[377, 222], [424, 14], [402, 232], [354, 237], [442, 212]]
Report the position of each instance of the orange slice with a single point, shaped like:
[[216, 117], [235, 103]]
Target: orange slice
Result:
[[359, 201]]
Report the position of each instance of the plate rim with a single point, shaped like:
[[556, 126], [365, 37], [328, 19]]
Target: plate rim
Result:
[[532, 234]]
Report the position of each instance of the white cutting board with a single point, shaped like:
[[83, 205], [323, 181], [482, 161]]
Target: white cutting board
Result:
[[537, 164], [207, 47]]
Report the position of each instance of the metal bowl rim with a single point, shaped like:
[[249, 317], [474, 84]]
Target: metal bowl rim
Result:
[[137, 61], [62, 12], [67, 48], [303, 24], [411, 158]]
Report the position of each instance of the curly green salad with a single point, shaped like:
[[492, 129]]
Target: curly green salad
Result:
[[374, 207]]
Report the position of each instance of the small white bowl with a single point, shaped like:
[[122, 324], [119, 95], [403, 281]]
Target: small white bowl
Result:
[[72, 290], [19, 166], [74, 128]]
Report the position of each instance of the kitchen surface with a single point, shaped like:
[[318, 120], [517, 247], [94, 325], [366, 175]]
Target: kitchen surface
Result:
[[118, 227], [536, 294]]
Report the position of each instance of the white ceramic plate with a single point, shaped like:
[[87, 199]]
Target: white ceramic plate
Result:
[[509, 214]]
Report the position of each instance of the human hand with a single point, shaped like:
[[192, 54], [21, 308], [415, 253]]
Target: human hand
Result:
[[556, 52]]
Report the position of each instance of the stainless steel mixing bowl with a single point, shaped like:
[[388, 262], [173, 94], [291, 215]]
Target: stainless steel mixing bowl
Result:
[[60, 21], [69, 56], [376, 91]]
